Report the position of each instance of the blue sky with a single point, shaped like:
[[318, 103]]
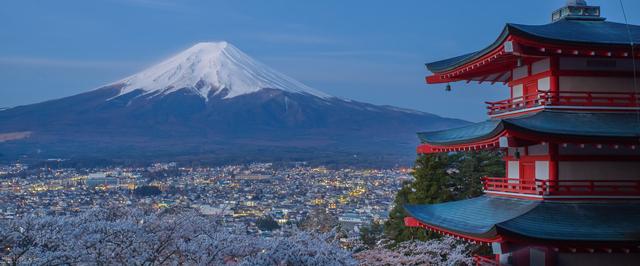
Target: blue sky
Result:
[[370, 51]]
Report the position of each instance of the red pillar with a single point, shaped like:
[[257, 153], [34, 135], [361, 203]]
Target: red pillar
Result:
[[555, 79], [553, 165]]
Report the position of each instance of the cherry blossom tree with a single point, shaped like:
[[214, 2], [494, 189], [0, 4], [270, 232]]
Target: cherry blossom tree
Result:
[[442, 251], [131, 236], [135, 236]]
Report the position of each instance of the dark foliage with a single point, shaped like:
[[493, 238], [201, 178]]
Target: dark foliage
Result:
[[147, 191], [267, 223], [370, 235], [441, 178]]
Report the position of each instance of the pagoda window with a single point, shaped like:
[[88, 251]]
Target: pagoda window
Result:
[[596, 64], [537, 256], [601, 64], [520, 72], [517, 91], [544, 84], [596, 84], [540, 149], [511, 151], [599, 170], [541, 66], [542, 170], [513, 169], [593, 150]]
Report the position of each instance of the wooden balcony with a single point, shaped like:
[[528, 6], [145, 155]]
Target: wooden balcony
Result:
[[485, 260], [565, 98], [578, 188]]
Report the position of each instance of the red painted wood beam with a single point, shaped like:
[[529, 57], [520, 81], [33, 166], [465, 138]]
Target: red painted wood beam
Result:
[[526, 48], [526, 137], [539, 48], [413, 222]]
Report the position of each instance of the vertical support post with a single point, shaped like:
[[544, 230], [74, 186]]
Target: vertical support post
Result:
[[554, 80], [553, 167]]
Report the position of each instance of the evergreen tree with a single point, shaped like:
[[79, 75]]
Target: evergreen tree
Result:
[[472, 167], [439, 178], [267, 223], [430, 186], [432, 179], [370, 235]]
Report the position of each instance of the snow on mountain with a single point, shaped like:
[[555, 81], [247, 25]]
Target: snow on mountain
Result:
[[190, 111], [210, 68]]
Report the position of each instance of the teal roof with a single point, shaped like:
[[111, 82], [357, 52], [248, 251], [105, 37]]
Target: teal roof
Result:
[[489, 216], [463, 134], [582, 31], [568, 30], [477, 216], [574, 124], [612, 221]]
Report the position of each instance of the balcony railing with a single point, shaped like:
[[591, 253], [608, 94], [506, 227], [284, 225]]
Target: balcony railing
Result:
[[565, 98], [563, 187], [484, 260]]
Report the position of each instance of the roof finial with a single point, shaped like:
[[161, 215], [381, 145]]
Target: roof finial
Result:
[[577, 9], [576, 3]]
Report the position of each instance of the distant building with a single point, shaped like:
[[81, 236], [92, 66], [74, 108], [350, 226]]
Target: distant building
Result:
[[101, 180], [352, 221]]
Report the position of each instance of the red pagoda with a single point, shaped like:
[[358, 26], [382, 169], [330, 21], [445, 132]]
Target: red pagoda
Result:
[[570, 135]]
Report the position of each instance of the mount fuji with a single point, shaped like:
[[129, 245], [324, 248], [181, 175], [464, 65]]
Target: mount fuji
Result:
[[212, 102]]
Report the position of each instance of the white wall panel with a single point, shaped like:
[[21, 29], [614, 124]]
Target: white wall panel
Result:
[[542, 170], [514, 169], [540, 66]]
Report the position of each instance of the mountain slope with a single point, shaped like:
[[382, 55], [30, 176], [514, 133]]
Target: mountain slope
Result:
[[209, 68], [212, 102]]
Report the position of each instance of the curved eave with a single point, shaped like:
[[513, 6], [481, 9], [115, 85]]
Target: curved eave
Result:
[[476, 136], [578, 126], [549, 126], [454, 62], [577, 222], [489, 237], [473, 219], [465, 134], [526, 133], [566, 32], [490, 219], [579, 32]]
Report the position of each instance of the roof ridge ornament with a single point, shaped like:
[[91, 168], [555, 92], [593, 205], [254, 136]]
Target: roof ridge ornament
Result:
[[577, 10]]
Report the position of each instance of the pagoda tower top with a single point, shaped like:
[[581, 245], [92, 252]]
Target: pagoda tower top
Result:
[[577, 9]]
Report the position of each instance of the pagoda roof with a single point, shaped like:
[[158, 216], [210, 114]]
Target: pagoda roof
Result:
[[579, 125], [491, 217], [570, 30]]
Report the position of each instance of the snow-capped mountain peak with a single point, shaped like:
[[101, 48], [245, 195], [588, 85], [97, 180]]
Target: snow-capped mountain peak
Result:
[[211, 67]]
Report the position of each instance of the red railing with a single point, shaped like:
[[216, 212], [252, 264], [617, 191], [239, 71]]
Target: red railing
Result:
[[484, 260], [566, 98], [563, 187]]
